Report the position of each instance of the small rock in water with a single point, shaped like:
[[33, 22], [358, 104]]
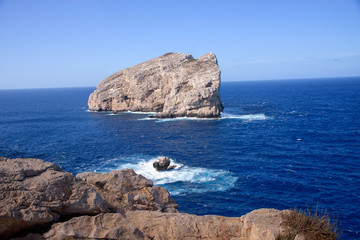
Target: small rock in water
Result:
[[156, 165], [162, 164], [172, 167]]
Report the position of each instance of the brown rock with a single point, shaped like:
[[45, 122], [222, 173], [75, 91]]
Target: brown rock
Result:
[[173, 85], [299, 237], [118, 205], [34, 192], [102, 226], [172, 167], [162, 164], [126, 190], [257, 225]]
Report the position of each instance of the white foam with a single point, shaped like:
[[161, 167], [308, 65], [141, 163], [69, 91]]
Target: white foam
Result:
[[248, 117], [138, 112], [146, 169], [183, 179], [159, 120], [185, 119], [147, 118]]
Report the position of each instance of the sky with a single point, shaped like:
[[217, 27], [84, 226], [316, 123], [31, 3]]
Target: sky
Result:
[[73, 43]]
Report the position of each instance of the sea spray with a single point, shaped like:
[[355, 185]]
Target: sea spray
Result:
[[182, 179], [245, 117]]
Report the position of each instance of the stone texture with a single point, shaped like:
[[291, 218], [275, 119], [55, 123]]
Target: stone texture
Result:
[[299, 237], [257, 225], [41, 201], [102, 226], [163, 163], [126, 190], [173, 85], [34, 192]]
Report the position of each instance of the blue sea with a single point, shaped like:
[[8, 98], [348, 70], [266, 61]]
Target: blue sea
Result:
[[279, 144]]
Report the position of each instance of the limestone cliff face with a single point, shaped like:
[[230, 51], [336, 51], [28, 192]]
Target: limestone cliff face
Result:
[[173, 85], [262, 224], [38, 200]]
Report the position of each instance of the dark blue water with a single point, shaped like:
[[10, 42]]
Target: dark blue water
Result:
[[281, 144]]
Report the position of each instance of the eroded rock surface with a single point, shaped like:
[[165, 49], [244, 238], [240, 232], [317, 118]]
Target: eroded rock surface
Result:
[[257, 225], [126, 190], [102, 226], [173, 85], [41, 201], [162, 163], [34, 192]]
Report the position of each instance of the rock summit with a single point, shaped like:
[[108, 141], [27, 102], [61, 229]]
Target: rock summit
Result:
[[172, 85]]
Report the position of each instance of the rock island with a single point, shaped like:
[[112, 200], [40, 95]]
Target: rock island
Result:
[[172, 85]]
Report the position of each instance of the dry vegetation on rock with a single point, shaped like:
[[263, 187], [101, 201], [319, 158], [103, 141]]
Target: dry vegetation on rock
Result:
[[305, 225]]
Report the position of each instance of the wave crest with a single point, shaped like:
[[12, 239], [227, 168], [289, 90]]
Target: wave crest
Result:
[[184, 179], [248, 117]]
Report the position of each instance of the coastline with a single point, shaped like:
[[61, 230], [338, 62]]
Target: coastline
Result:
[[41, 201]]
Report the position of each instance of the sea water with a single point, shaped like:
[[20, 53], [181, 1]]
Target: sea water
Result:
[[279, 144]]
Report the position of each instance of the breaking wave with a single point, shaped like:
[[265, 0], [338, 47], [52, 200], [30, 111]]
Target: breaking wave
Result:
[[182, 179], [137, 112], [245, 117], [248, 117], [184, 119]]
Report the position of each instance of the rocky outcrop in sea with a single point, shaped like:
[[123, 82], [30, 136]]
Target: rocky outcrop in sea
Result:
[[41, 201], [172, 85]]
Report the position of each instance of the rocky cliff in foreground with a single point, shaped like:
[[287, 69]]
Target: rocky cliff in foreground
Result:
[[41, 201], [173, 85]]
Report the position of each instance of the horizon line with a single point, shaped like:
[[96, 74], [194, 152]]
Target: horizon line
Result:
[[254, 80]]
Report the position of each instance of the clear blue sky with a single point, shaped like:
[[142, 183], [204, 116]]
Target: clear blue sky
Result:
[[66, 43]]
